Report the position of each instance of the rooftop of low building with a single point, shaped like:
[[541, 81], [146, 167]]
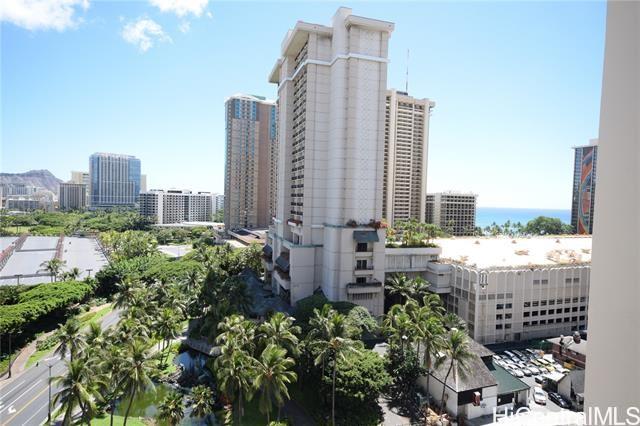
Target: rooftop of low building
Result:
[[504, 252]]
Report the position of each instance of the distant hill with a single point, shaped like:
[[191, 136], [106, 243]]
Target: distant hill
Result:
[[39, 178]]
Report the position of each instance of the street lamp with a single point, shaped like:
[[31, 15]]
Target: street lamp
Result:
[[49, 406], [89, 272], [18, 276]]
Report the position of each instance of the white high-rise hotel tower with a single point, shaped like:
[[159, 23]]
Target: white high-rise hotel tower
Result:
[[332, 85]]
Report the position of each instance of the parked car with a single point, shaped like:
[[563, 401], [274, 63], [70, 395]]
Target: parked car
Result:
[[508, 354], [497, 357], [539, 379], [527, 372], [550, 368], [534, 370], [559, 400], [518, 373], [539, 396]]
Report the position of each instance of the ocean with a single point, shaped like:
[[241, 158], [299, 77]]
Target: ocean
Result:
[[485, 216]]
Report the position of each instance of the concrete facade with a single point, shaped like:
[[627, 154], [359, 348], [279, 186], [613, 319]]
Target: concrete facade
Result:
[[72, 196], [452, 211], [331, 106], [176, 206], [249, 171], [612, 374], [406, 146]]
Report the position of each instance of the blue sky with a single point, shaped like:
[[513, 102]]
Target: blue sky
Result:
[[516, 84]]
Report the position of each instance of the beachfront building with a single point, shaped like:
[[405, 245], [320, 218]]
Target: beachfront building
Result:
[[332, 83], [176, 206], [454, 212], [406, 146], [251, 147], [584, 187]]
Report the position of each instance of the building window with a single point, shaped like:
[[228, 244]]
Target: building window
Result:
[[507, 326], [552, 302], [498, 317], [527, 304], [582, 317], [566, 319], [525, 324], [526, 314], [498, 326], [543, 322], [507, 316], [361, 247], [582, 308], [543, 312], [361, 264], [543, 303], [534, 322], [567, 310], [535, 303], [574, 319], [508, 306], [361, 280], [499, 306], [552, 311]]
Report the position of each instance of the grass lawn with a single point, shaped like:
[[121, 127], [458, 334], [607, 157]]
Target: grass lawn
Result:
[[84, 319], [170, 353], [117, 421]]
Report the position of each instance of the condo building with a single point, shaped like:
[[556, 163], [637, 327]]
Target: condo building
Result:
[[82, 178], [405, 156], [331, 120], [72, 196], [218, 200], [114, 180], [452, 211], [584, 187], [176, 206], [250, 140]]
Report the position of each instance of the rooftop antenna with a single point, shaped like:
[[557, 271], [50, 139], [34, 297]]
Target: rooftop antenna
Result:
[[406, 84]]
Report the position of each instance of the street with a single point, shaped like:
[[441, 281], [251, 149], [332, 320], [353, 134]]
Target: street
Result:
[[24, 401]]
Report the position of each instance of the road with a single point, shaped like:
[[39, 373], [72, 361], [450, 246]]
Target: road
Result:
[[24, 401]]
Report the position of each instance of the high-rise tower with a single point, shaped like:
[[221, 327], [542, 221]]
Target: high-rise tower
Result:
[[584, 187], [114, 180], [331, 105], [249, 171]]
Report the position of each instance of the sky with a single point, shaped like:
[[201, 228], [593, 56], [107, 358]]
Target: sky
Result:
[[516, 85]]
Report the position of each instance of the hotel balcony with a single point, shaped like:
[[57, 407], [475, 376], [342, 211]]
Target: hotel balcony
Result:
[[371, 286], [281, 271]]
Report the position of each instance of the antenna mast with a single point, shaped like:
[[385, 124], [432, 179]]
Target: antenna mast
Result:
[[406, 84]]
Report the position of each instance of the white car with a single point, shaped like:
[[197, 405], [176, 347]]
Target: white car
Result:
[[518, 373], [534, 370], [526, 372], [539, 396]]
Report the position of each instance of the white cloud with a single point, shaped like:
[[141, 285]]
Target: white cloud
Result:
[[143, 33], [42, 14], [181, 7], [184, 26], [209, 15]]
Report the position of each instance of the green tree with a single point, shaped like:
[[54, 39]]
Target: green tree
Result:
[[334, 347], [457, 353], [272, 376], [201, 401], [53, 267], [111, 366], [167, 327], [77, 390], [70, 340], [171, 409], [235, 373], [451, 321], [543, 225], [279, 330], [136, 372]]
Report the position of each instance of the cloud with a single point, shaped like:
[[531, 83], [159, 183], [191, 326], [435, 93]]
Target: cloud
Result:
[[184, 26], [42, 14], [181, 7], [143, 33]]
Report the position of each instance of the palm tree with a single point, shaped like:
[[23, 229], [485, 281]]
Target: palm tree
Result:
[[77, 390], [110, 367], [430, 333], [235, 373], [53, 267], [201, 401], [167, 328], [400, 286], [420, 287], [451, 321], [95, 342], [272, 376], [457, 352], [335, 348], [127, 292], [399, 323], [279, 330], [72, 274], [136, 373], [172, 408], [70, 340], [434, 303], [236, 333], [238, 294]]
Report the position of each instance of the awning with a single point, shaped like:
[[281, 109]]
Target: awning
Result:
[[267, 250], [283, 263], [366, 236]]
